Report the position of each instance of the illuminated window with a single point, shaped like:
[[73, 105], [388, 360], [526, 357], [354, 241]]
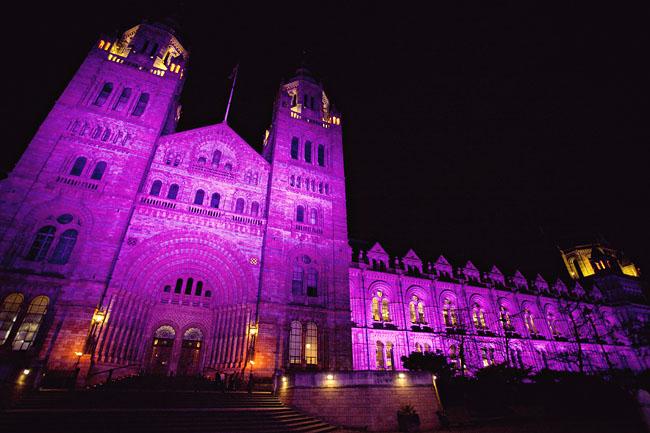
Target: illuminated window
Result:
[[41, 244], [385, 311], [123, 99], [78, 166], [375, 310], [107, 88], [199, 196], [216, 157], [478, 317], [141, 105], [239, 205], [449, 313], [215, 200], [414, 317], [8, 315], [311, 344], [300, 214], [295, 144], [31, 323], [156, 186], [98, 171], [255, 209], [379, 355], [491, 355], [296, 280], [64, 247], [390, 358], [307, 151], [321, 155], [173, 191], [295, 343], [504, 318], [484, 357], [313, 216], [312, 282]]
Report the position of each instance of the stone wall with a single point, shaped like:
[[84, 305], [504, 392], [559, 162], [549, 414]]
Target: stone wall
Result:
[[361, 399]]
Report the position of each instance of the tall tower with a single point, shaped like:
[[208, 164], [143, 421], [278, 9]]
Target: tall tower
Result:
[[304, 309], [67, 203]]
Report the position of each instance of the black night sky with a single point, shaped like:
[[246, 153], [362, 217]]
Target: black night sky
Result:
[[484, 131]]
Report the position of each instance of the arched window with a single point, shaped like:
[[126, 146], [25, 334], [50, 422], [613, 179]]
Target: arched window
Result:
[[295, 143], [300, 214], [311, 344], [553, 325], [529, 321], [198, 197], [208, 293], [313, 216], [308, 151], [228, 166], [177, 160], [321, 155], [41, 244], [421, 316], [449, 313], [199, 288], [215, 200], [292, 180], [173, 191], [165, 332], [239, 205], [167, 288], [385, 311], [255, 208], [504, 318], [64, 248], [98, 171], [8, 315], [106, 135], [123, 99], [107, 88], [380, 356], [141, 105], [312, 282], [478, 317], [202, 160], [484, 357], [156, 186], [296, 280], [390, 357], [295, 343], [375, 310], [412, 308], [216, 157], [416, 309], [179, 285], [78, 166], [188, 286], [31, 323]]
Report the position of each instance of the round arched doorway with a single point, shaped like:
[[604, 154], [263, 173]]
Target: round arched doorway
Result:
[[188, 364], [161, 353]]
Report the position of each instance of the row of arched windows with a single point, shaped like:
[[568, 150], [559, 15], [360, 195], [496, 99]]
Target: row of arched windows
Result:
[[307, 154], [45, 237], [122, 101], [28, 321], [384, 356], [189, 288], [80, 163], [99, 133], [303, 343], [304, 215], [309, 184]]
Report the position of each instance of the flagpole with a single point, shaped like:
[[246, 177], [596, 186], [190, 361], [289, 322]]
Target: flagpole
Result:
[[232, 90]]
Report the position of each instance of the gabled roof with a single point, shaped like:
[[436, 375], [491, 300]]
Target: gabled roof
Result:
[[410, 255], [519, 276], [470, 266], [441, 262], [496, 271], [540, 281], [378, 249]]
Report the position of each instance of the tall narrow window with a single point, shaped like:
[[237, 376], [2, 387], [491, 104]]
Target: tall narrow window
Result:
[[312, 282], [173, 191], [295, 343], [41, 244], [255, 208], [379, 356], [239, 205], [98, 171], [64, 247], [106, 135], [313, 216], [308, 151], [321, 155], [216, 157], [295, 144], [375, 310], [188, 286], [123, 99], [390, 358], [300, 214], [31, 323], [179, 285], [484, 357], [107, 88], [198, 197], [421, 316], [414, 317], [385, 311], [311, 344], [156, 186], [8, 315], [215, 200], [296, 280], [78, 166], [141, 105], [199, 288]]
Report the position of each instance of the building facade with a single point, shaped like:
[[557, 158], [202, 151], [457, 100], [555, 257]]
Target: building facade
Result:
[[129, 246]]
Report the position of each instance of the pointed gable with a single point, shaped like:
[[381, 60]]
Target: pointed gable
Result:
[[442, 265], [578, 290], [559, 286], [378, 257], [541, 283], [412, 261], [470, 270], [519, 280], [496, 275]]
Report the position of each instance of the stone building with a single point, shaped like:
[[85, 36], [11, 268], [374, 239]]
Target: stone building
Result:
[[129, 246]]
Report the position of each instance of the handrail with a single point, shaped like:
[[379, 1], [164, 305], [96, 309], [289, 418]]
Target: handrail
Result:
[[110, 370]]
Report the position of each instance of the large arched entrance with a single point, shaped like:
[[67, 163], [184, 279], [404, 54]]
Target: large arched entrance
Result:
[[188, 364], [161, 353]]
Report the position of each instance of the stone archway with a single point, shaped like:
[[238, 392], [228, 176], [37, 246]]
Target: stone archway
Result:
[[190, 357], [162, 349]]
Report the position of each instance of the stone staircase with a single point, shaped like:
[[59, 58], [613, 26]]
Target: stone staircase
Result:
[[163, 411]]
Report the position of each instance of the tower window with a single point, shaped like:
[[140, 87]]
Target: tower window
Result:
[[198, 197], [311, 344], [300, 214], [308, 151], [214, 201], [295, 143], [239, 205], [188, 286], [98, 172], [295, 343], [199, 288], [255, 208], [312, 283], [107, 88], [155, 188], [78, 166], [313, 216], [64, 248], [41, 244], [173, 191], [321, 155], [296, 280], [179, 285], [216, 157], [141, 105], [123, 99]]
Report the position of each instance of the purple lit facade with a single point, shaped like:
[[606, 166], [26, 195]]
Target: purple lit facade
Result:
[[128, 244]]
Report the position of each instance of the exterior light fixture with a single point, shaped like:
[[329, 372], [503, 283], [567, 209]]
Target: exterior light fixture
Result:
[[402, 376], [435, 377], [79, 353], [26, 371], [251, 362], [284, 378], [253, 329], [308, 346], [99, 316], [330, 377]]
